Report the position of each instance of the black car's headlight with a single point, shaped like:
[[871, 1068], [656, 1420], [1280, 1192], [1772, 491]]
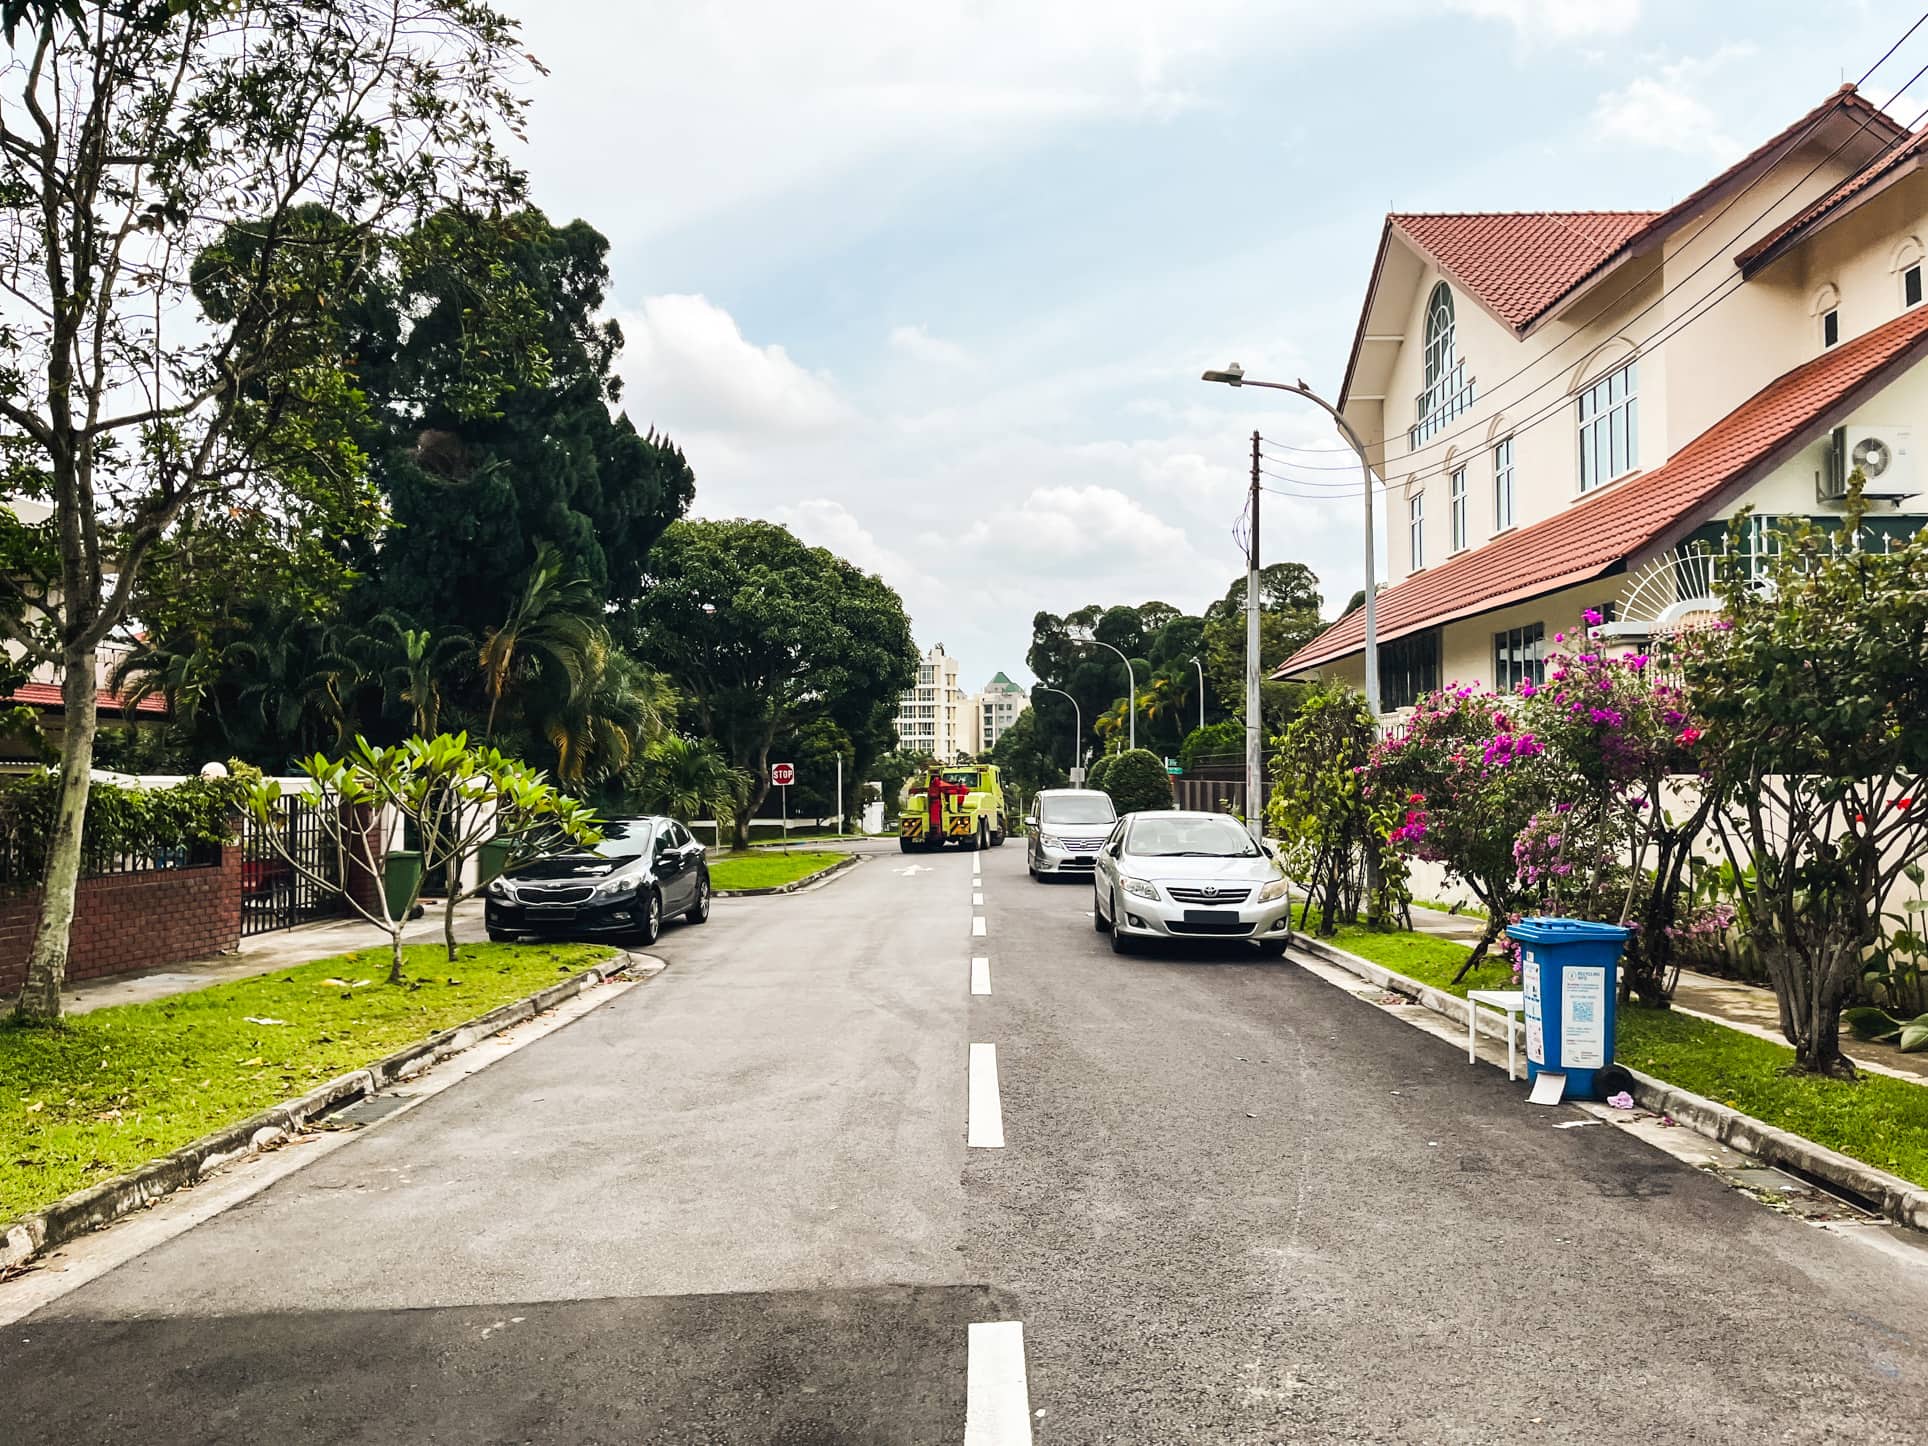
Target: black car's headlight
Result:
[[500, 889], [617, 888]]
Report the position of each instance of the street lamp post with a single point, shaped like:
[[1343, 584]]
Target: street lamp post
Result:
[[1077, 724], [1234, 375], [1201, 689], [1131, 680]]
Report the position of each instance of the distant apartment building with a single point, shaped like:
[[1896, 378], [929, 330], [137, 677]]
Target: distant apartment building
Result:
[[993, 710], [1565, 421], [932, 717]]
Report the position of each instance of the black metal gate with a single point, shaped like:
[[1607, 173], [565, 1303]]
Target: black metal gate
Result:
[[274, 893]]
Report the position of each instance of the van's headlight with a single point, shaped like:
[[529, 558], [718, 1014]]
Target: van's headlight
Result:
[[1050, 841], [1139, 887], [616, 888], [1277, 889]]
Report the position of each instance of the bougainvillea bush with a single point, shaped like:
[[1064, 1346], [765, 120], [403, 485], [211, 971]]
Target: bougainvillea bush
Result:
[[1629, 752], [1461, 784]]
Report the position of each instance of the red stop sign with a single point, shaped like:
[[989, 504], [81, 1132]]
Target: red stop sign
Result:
[[783, 774]]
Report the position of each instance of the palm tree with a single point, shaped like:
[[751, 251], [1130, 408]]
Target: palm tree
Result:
[[411, 665], [616, 710], [554, 627], [687, 778]]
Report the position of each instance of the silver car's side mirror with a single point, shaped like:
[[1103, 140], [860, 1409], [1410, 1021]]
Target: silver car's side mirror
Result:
[[1030, 820]]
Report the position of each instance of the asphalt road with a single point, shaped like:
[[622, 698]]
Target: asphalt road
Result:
[[1235, 1204]]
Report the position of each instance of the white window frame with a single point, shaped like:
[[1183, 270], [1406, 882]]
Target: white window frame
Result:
[[1456, 493], [1920, 291], [1608, 411], [1503, 485], [1416, 528], [1831, 320]]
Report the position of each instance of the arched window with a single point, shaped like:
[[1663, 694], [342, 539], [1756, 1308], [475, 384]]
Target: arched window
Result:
[[1448, 393], [1826, 308], [1439, 334]]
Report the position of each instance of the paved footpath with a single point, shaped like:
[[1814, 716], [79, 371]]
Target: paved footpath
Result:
[[1232, 1204]]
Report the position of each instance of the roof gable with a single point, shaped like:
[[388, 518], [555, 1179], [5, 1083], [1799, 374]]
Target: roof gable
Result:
[[1597, 534], [1516, 263]]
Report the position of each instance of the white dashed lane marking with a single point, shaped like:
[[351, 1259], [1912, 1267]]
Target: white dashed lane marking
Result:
[[980, 976], [978, 900], [986, 1127], [997, 1401], [977, 927]]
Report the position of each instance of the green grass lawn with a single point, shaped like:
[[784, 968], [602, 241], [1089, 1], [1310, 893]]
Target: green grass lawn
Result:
[[761, 869], [1877, 1119], [114, 1088]]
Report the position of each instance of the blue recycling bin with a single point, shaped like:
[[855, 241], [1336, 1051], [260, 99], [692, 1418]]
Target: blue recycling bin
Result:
[[1568, 973]]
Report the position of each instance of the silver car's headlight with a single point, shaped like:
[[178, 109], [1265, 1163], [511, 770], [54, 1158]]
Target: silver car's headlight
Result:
[[1050, 841], [1139, 887], [615, 888], [1277, 889]]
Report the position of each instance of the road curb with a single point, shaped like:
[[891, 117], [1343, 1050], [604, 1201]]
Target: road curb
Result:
[[98, 1205], [1897, 1199], [822, 876]]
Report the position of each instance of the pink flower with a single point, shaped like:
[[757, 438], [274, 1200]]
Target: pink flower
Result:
[[1592, 617]]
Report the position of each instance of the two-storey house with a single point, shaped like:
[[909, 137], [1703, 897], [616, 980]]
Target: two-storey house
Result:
[[1566, 406]]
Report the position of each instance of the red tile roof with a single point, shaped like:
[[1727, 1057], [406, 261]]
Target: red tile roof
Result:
[[1784, 235], [1594, 535], [1519, 262], [47, 695]]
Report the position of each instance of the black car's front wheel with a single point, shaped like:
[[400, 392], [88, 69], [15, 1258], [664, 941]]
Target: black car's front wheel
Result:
[[699, 912], [650, 925]]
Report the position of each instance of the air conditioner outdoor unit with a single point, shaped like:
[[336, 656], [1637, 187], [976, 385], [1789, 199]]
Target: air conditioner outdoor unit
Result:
[[1885, 456]]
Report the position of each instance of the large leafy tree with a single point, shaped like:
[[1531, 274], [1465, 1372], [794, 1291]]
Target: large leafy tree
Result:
[[132, 139], [763, 636], [1815, 703], [478, 493]]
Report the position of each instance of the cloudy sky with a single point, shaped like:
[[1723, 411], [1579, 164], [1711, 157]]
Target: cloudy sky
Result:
[[933, 283]]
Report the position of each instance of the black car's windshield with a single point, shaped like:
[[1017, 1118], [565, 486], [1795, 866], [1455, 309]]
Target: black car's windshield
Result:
[[625, 838], [1222, 838], [1076, 810]]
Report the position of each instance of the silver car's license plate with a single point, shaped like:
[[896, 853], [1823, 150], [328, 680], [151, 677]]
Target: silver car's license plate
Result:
[[1211, 916]]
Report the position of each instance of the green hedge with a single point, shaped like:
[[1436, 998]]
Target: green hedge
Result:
[[1137, 781], [198, 813]]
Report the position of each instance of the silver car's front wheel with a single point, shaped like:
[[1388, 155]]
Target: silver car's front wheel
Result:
[[1097, 914]]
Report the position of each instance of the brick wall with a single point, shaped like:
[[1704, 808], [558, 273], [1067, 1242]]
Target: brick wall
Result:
[[125, 922]]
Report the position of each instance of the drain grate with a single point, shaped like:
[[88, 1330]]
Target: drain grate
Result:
[[370, 1109]]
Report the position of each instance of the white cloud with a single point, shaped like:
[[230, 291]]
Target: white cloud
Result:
[[1069, 522], [1557, 19], [826, 522], [1668, 111], [687, 367], [918, 344]]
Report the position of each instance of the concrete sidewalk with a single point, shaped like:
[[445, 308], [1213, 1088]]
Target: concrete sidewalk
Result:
[[1746, 1007], [264, 953]]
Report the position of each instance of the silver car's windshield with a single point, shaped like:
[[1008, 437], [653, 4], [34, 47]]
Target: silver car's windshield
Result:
[[1190, 838], [1075, 810]]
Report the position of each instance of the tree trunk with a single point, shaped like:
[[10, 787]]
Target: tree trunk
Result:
[[47, 960], [396, 975], [453, 890], [1479, 950]]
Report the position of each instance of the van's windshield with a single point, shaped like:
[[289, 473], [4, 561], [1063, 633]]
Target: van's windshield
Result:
[[1095, 809]]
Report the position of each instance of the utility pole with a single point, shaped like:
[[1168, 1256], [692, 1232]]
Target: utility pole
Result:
[[1254, 737], [840, 799]]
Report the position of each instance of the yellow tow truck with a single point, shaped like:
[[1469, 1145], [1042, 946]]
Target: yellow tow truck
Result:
[[963, 805]]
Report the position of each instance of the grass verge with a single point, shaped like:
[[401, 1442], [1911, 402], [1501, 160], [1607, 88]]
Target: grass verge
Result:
[[760, 869], [1877, 1119], [113, 1088]]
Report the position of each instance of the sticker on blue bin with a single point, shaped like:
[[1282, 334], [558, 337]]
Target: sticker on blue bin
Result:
[[1583, 1038], [1530, 987]]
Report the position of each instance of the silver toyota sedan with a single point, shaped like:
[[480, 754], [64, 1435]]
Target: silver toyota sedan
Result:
[[1189, 876]]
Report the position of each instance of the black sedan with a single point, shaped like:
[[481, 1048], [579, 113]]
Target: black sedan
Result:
[[644, 871]]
